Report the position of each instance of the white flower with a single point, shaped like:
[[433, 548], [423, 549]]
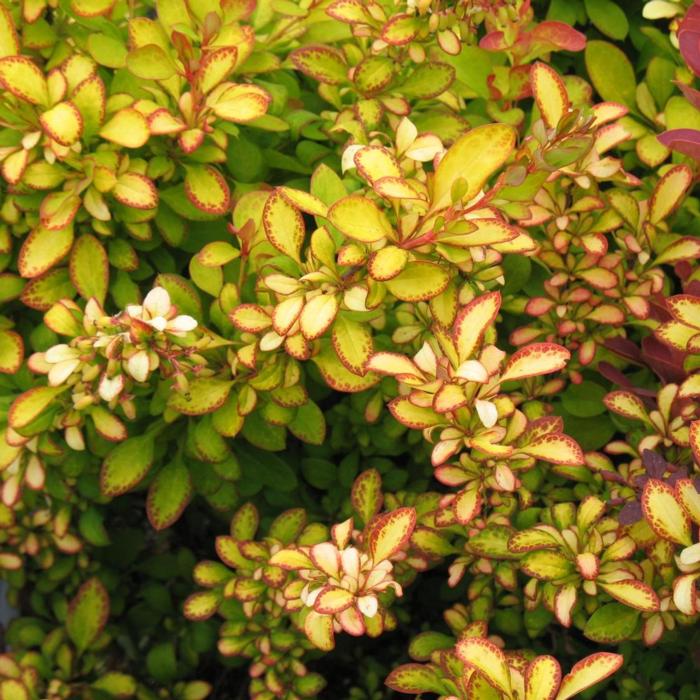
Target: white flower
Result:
[[348, 159], [110, 388], [661, 9], [473, 371], [156, 310], [368, 605], [64, 360], [690, 555], [74, 438], [139, 365], [488, 413]]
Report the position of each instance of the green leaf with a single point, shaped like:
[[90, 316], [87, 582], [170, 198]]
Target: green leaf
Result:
[[309, 424], [89, 268], [320, 473], [150, 62], [584, 400], [106, 50], [161, 662], [204, 395], [87, 614], [612, 623], [611, 72], [473, 67], [91, 526], [126, 465], [608, 18], [418, 281], [116, 684], [268, 468], [168, 495]]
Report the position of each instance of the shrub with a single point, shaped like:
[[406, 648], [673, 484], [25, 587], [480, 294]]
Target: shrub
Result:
[[335, 320]]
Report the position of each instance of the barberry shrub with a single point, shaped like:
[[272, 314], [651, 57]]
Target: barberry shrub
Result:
[[349, 349]]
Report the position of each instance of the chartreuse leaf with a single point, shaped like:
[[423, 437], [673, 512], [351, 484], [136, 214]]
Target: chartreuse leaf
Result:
[[366, 495], [204, 395], [89, 268], [28, 406], [588, 672], [360, 218], [42, 249], [535, 359], [23, 78], [150, 62], [612, 623], [168, 494], [389, 533], [9, 43], [418, 281], [472, 322], [206, 189], [128, 128], [126, 465], [284, 225], [11, 352], [87, 614], [549, 92], [116, 684], [487, 659], [319, 630], [309, 424], [611, 72], [669, 192], [542, 678], [416, 678], [239, 103], [474, 157], [321, 63], [352, 341], [664, 513]]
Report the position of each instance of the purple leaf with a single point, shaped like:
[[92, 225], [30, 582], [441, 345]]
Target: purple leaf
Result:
[[630, 513], [654, 463], [685, 141]]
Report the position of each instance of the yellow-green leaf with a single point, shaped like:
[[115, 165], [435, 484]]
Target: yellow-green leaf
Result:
[[207, 189], [419, 281], [475, 156], [239, 103], [588, 672], [542, 678], [23, 78], [150, 62], [472, 322], [352, 341], [216, 67], [89, 268], [484, 656], [664, 513], [387, 262], [549, 92], [63, 123], [390, 533], [534, 360], [11, 352], [87, 614], [284, 225], [136, 191], [28, 406], [203, 396], [359, 218], [127, 128], [126, 465], [42, 249], [669, 192]]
